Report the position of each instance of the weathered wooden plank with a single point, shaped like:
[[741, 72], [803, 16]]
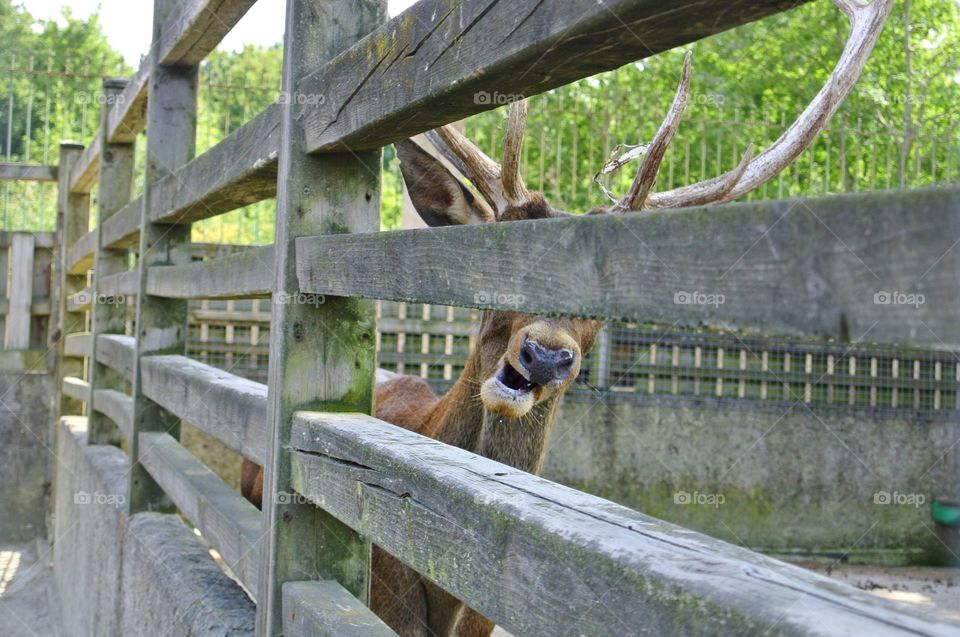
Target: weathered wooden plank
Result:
[[533, 555], [39, 307], [226, 520], [326, 609], [129, 115], [122, 230], [843, 266], [118, 352], [17, 333], [80, 301], [83, 176], [78, 344], [117, 406], [319, 355], [119, 284], [443, 60], [245, 274], [240, 170], [40, 239], [229, 316], [161, 323], [27, 172], [109, 312], [80, 257], [215, 250], [73, 217], [195, 27], [229, 408], [76, 388], [23, 360]]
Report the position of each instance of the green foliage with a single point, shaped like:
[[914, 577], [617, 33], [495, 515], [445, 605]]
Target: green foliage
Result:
[[897, 129]]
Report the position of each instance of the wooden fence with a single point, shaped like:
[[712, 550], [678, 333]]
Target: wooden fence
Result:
[[25, 267], [527, 553]]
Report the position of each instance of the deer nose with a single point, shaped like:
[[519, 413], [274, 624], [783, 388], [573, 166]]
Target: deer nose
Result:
[[545, 365]]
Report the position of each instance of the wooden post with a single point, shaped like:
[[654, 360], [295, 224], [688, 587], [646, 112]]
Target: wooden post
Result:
[[108, 314], [321, 357], [601, 369], [21, 292], [73, 217], [161, 325]]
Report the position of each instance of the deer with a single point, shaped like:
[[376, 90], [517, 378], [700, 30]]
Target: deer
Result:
[[504, 404]]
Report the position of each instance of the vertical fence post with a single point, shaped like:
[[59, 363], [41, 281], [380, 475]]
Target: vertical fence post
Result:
[[21, 291], [161, 324], [108, 315], [73, 217], [321, 357]]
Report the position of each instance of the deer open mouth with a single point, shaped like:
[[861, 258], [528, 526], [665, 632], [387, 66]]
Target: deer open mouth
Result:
[[508, 393], [510, 378]]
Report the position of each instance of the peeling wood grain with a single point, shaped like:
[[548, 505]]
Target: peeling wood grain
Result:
[[533, 555], [27, 172], [809, 267], [240, 170], [443, 60], [229, 523], [245, 274], [230, 408], [326, 609]]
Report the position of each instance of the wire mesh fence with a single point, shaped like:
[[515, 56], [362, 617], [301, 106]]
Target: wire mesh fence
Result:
[[571, 132], [433, 342]]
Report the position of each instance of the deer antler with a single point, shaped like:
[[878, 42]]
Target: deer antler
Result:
[[866, 21], [472, 163], [513, 186], [647, 175], [500, 186]]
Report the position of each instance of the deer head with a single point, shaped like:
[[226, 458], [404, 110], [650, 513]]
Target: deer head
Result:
[[525, 360], [522, 359]]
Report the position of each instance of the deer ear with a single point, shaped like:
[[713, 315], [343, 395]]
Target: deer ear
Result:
[[440, 198]]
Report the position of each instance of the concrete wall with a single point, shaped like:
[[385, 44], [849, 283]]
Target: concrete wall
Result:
[[25, 403], [89, 520], [171, 586], [781, 480], [146, 575]]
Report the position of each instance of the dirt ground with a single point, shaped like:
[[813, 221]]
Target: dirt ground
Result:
[[933, 589], [28, 600]]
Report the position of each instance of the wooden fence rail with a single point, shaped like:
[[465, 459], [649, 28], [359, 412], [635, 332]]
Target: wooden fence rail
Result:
[[528, 553]]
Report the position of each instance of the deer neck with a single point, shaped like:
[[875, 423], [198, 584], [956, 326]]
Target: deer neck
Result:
[[458, 414], [462, 421]]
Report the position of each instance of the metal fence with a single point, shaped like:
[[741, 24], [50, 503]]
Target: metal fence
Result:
[[630, 362], [44, 100]]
